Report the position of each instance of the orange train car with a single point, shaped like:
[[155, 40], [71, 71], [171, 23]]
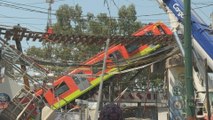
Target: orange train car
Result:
[[71, 86], [157, 28]]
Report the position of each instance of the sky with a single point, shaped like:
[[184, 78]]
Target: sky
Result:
[[147, 11], [38, 21]]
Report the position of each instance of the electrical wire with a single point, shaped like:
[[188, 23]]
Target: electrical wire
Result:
[[44, 2], [15, 6], [21, 4], [37, 18], [23, 8], [204, 6], [115, 4], [29, 24], [33, 10], [201, 3], [24, 18]]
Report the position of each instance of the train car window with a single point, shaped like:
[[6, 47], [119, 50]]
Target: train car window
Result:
[[60, 89], [161, 29], [149, 33], [83, 82], [97, 66], [76, 80], [79, 78], [132, 47], [115, 56]]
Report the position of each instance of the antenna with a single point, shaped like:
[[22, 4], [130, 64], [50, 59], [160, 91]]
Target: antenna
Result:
[[49, 21]]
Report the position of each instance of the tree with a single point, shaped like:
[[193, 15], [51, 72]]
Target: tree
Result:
[[127, 20], [101, 25], [35, 52], [63, 15], [71, 21]]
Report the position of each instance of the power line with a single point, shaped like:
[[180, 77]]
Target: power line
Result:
[[21, 4], [17, 17], [33, 10], [201, 3], [202, 12], [37, 18], [16, 5], [23, 23], [23, 8], [45, 3], [8, 24], [204, 6]]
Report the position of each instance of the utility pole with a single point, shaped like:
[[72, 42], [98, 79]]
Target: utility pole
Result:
[[207, 90], [19, 47], [49, 21], [101, 80], [190, 106]]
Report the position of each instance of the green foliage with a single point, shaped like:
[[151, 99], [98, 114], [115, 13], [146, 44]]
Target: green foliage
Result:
[[64, 16], [127, 20], [35, 52], [70, 20]]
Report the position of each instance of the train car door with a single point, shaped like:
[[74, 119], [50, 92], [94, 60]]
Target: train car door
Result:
[[81, 81]]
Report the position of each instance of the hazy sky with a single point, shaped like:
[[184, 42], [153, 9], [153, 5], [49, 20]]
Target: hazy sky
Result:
[[147, 11]]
